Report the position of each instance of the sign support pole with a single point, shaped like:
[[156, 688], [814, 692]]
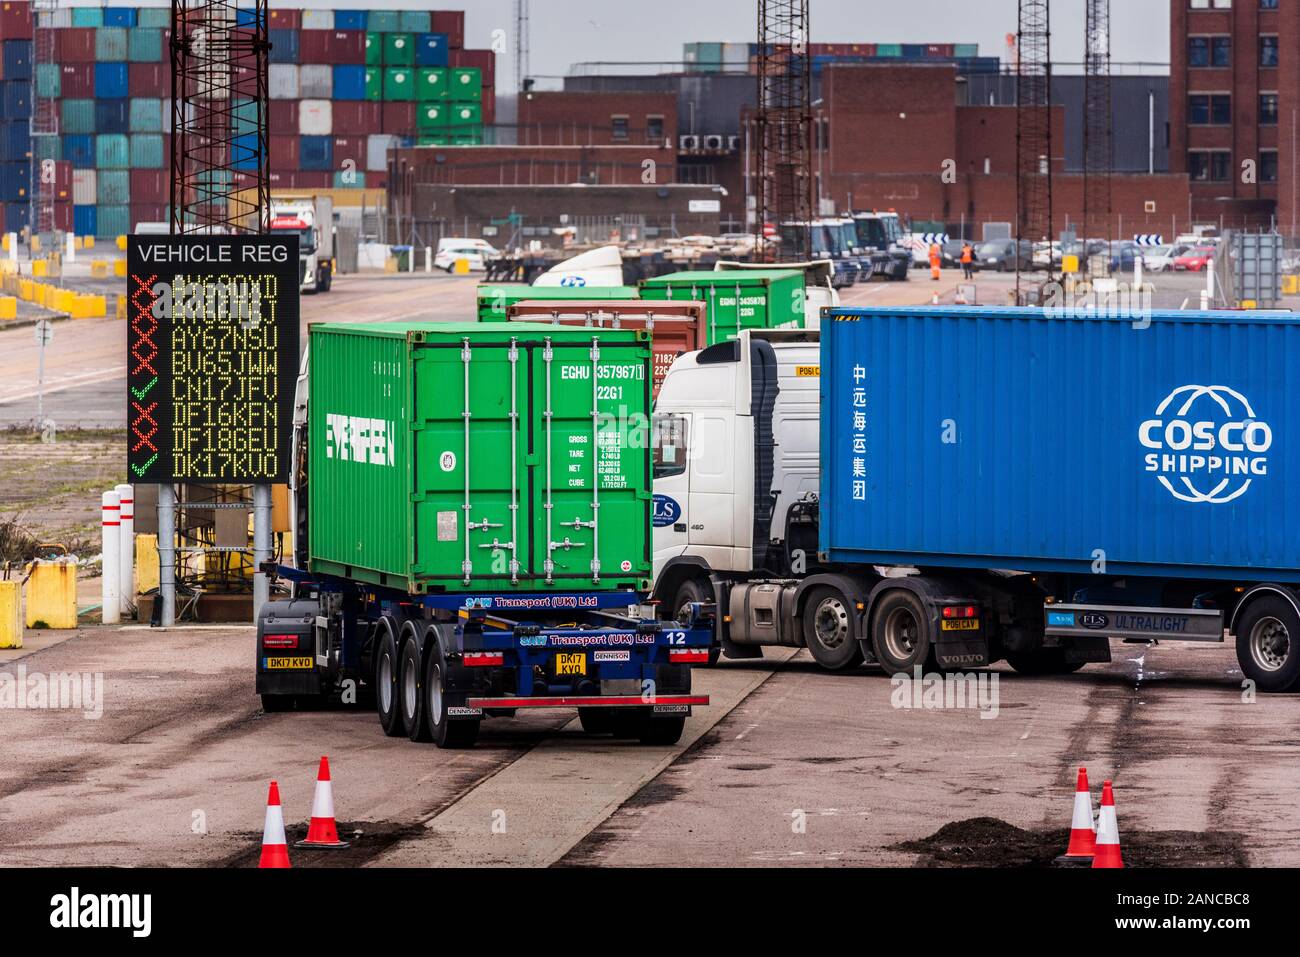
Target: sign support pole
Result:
[[261, 547], [167, 553]]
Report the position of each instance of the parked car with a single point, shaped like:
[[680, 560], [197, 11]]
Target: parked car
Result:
[[1001, 255], [1194, 259], [1123, 255], [476, 251], [1161, 258]]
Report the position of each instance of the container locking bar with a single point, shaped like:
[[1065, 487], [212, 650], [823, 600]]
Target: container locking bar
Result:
[[467, 565], [548, 566], [513, 355], [595, 460]]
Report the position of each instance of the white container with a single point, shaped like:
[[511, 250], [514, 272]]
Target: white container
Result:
[[315, 118], [316, 81], [377, 146], [282, 81], [84, 187], [318, 19]]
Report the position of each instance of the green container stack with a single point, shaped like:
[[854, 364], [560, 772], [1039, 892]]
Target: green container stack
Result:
[[146, 151], [737, 299], [146, 116], [495, 299], [113, 187], [112, 151], [144, 46], [399, 83], [471, 466], [77, 116], [399, 49], [49, 82]]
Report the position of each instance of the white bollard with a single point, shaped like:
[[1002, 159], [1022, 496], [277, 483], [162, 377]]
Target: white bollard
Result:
[[70, 248], [126, 534], [112, 558], [13, 246], [1209, 280], [1137, 273], [428, 259]]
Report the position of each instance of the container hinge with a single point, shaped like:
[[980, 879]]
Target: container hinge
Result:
[[566, 545], [485, 524], [579, 523], [496, 544], [548, 567], [595, 570]]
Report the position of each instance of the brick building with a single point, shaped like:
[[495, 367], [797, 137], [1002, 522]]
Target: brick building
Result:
[[1234, 96], [597, 119]]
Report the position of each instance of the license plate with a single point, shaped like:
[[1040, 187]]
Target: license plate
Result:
[[961, 624], [277, 664], [571, 663]]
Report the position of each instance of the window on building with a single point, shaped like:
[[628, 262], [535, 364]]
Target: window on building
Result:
[[620, 127], [1198, 51], [1204, 166], [654, 128], [1207, 4], [1268, 109], [1209, 109], [1268, 166], [1268, 4], [1221, 51], [1268, 51]]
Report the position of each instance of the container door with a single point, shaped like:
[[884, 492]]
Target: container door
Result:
[[591, 482], [470, 469]]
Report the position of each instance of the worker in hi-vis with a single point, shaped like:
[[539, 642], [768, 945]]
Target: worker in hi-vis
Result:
[[935, 261]]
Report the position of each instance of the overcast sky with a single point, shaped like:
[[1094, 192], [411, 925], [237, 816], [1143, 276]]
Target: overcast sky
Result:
[[568, 31]]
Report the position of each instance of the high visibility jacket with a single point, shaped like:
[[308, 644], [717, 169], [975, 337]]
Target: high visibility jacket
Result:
[[967, 254]]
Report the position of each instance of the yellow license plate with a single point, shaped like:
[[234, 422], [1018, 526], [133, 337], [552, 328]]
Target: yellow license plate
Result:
[[571, 663], [961, 624], [275, 664]]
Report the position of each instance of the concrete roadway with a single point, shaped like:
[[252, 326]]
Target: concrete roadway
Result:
[[789, 766]]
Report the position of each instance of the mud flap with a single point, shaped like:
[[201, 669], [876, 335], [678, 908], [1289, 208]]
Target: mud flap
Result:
[[1086, 650], [964, 652]]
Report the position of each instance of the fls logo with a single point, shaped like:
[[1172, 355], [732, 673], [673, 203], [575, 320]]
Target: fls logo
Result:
[[666, 511]]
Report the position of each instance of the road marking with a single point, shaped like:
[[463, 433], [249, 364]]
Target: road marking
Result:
[[530, 814], [67, 382]]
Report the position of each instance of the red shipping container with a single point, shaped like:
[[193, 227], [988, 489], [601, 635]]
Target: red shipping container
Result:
[[484, 60], [76, 45], [376, 180], [150, 185], [399, 118], [489, 105], [357, 116], [15, 20], [452, 23], [350, 148], [284, 152], [283, 118], [63, 216], [346, 46], [302, 179], [152, 80], [284, 20], [77, 81], [63, 180], [314, 46], [148, 213]]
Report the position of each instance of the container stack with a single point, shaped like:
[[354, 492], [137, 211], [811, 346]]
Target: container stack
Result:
[[743, 57], [15, 114], [345, 86]]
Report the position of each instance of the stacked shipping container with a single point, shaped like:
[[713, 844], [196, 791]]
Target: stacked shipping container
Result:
[[344, 85], [743, 57]]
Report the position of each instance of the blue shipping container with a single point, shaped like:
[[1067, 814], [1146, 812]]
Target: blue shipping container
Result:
[[284, 46], [316, 153], [349, 19], [119, 16], [431, 49], [1030, 439], [112, 116], [79, 150], [17, 60], [111, 81], [243, 152], [349, 82], [16, 100], [15, 141], [15, 181], [83, 220], [17, 216]]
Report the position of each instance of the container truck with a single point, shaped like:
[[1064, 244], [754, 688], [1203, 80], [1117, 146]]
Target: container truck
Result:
[[880, 236], [311, 219], [675, 328], [945, 488], [817, 274], [495, 299], [473, 533], [737, 299]]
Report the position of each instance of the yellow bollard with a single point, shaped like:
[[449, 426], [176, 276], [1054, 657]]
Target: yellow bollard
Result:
[[11, 622], [120, 311], [90, 242], [52, 595], [121, 243], [119, 267], [99, 269], [36, 244], [39, 267], [146, 563], [8, 307]]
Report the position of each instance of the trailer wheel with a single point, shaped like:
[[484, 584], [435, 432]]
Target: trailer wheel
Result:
[[386, 694], [828, 630], [1268, 644], [661, 730], [596, 720], [444, 732], [900, 632], [694, 590], [414, 714], [1044, 661], [626, 722]]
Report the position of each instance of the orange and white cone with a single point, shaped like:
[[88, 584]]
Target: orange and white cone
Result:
[[934, 300], [322, 832], [1107, 854], [1083, 840], [275, 852]]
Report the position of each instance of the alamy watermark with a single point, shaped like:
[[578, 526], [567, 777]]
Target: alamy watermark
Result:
[[976, 690], [56, 691]]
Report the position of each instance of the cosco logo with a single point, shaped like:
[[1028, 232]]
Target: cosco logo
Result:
[[1208, 444]]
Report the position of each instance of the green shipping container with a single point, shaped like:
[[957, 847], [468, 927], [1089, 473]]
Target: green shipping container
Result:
[[146, 116], [480, 458], [374, 83], [399, 83], [737, 299], [245, 117], [154, 18], [431, 116], [112, 151], [49, 81], [113, 221], [465, 116], [349, 179], [414, 21], [77, 116], [433, 139], [466, 136], [889, 49], [147, 151], [495, 298], [399, 49], [88, 17], [374, 49], [110, 45], [431, 83], [966, 50], [47, 147], [144, 46], [113, 187], [466, 83], [383, 21]]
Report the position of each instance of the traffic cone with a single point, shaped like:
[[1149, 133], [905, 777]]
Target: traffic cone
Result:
[[1083, 840], [275, 852], [1107, 854], [322, 832], [960, 299], [934, 300]]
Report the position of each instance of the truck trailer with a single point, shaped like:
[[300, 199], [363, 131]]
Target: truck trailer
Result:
[[949, 487], [473, 533]]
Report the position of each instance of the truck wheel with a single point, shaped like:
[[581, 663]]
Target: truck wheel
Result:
[[445, 732], [693, 590], [828, 630], [386, 672], [661, 730], [595, 720], [277, 703], [1044, 661], [626, 722], [900, 632], [414, 716], [1268, 644]]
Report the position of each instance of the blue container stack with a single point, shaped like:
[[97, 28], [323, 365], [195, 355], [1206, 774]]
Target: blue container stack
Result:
[[15, 135]]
